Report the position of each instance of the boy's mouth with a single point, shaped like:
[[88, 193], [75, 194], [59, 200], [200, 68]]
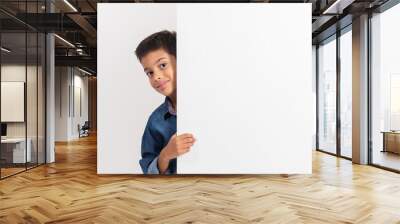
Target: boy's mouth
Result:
[[162, 85]]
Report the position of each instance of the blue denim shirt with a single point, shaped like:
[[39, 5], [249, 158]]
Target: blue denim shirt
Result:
[[159, 129]]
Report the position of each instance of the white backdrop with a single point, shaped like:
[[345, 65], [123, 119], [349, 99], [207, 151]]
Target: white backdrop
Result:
[[12, 101], [125, 98], [245, 88], [244, 85]]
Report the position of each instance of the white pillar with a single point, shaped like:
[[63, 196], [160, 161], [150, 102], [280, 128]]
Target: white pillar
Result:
[[50, 91], [360, 90], [50, 110]]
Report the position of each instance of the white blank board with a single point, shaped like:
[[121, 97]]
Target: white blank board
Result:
[[125, 98], [12, 101], [245, 88]]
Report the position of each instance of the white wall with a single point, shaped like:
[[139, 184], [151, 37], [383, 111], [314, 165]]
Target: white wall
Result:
[[12, 101], [16, 72], [68, 80], [125, 99], [245, 88], [33, 127], [61, 103], [80, 84]]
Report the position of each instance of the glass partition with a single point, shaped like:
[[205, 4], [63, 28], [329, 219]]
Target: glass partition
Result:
[[385, 89], [13, 109], [22, 89], [31, 100], [41, 107], [346, 93], [327, 96]]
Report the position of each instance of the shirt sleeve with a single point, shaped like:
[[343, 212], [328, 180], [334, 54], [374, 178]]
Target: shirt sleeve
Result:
[[153, 168], [151, 147], [150, 150]]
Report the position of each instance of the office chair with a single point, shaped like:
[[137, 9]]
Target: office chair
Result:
[[84, 130]]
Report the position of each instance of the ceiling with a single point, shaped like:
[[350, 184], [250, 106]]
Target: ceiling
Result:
[[76, 22]]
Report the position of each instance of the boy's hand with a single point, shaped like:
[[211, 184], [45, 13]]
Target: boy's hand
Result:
[[176, 146]]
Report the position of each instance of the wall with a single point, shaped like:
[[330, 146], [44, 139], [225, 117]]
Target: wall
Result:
[[69, 112], [62, 80], [240, 92], [125, 98], [92, 98], [10, 73], [34, 125], [80, 109], [17, 73]]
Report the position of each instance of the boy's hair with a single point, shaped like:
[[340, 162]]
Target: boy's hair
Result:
[[161, 40]]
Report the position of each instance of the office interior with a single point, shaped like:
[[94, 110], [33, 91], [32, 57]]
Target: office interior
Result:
[[30, 56], [48, 84]]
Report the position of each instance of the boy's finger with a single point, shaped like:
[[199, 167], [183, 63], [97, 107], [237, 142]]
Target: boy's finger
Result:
[[186, 145], [184, 150], [186, 135], [187, 140]]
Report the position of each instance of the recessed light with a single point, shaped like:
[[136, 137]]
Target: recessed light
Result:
[[70, 5], [5, 50], [64, 40], [84, 71]]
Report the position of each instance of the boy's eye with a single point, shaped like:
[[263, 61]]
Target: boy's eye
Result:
[[149, 74], [163, 65]]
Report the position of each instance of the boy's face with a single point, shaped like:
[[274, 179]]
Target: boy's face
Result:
[[160, 68]]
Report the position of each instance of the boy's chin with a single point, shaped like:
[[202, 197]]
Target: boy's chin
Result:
[[166, 93], [169, 91]]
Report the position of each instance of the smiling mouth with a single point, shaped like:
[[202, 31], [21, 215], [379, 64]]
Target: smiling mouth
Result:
[[162, 85]]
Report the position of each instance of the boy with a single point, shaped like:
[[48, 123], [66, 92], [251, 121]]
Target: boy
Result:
[[160, 144]]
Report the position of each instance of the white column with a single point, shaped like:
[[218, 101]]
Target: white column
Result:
[[360, 90], [50, 110], [50, 93]]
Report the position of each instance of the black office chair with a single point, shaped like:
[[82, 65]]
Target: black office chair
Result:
[[84, 130]]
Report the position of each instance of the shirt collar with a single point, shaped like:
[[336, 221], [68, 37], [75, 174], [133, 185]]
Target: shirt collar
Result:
[[170, 109]]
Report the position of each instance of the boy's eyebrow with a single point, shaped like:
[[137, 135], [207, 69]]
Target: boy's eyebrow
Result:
[[156, 62], [160, 60]]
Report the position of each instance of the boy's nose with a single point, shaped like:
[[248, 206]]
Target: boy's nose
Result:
[[157, 75]]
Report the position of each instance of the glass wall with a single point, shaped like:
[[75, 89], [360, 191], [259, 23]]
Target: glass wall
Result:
[[385, 89], [335, 74], [31, 100], [22, 90], [41, 97], [327, 95], [346, 93], [13, 90]]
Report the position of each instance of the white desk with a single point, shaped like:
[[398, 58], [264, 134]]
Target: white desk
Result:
[[18, 149]]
